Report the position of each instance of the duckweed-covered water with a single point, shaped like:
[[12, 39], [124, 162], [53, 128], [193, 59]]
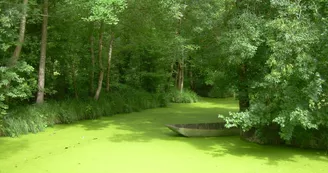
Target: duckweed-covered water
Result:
[[140, 143]]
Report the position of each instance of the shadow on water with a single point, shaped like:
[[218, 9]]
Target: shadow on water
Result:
[[222, 146], [10, 146], [217, 146], [99, 124], [149, 125]]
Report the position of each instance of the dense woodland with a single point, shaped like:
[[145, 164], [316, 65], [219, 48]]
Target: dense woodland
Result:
[[67, 60]]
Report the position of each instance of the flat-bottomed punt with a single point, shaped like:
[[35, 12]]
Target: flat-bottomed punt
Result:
[[204, 129]]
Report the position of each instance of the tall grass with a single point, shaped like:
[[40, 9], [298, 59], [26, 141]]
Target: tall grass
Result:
[[186, 96], [35, 118]]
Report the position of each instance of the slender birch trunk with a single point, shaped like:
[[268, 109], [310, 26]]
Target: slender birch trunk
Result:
[[180, 76], [74, 81], [41, 81], [110, 51], [101, 73], [92, 52], [21, 38]]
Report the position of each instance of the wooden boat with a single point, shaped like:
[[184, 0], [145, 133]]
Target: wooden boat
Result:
[[204, 129]]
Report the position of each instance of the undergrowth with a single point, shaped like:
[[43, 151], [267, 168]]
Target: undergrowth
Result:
[[35, 118], [186, 96]]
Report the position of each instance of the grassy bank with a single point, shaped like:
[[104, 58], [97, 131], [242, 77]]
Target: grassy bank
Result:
[[35, 118], [122, 99]]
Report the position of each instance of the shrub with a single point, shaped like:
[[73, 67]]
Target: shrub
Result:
[[217, 92], [35, 118], [23, 121], [310, 138], [186, 96], [301, 138]]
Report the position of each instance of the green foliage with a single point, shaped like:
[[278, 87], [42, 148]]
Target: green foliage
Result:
[[292, 90], [15, 84], [9, 15], [23, 121], [221, 85], [243, 38], [186, 96], [221, 92], [107, 10], [314, 138], [35, 118]]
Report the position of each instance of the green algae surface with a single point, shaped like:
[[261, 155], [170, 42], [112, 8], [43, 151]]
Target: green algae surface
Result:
[[140, 143]]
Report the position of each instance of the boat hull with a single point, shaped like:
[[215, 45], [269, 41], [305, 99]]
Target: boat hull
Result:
[[203, 130]]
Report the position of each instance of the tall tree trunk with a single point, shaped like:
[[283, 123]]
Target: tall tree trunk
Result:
[[41, 81], [243, 88], [92, 52], [180, 66], [19, 45], [169, 79], [110, 51], [74, 80], [101, 73], [180, 76], [177, 74], [190, 73], [192, 83]]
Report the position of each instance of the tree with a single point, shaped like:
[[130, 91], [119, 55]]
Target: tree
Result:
[[19, 45], [16, 81], [105, 12], [92, 53], [42, 65], [100, 61], [110, 51], [291, 88]]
